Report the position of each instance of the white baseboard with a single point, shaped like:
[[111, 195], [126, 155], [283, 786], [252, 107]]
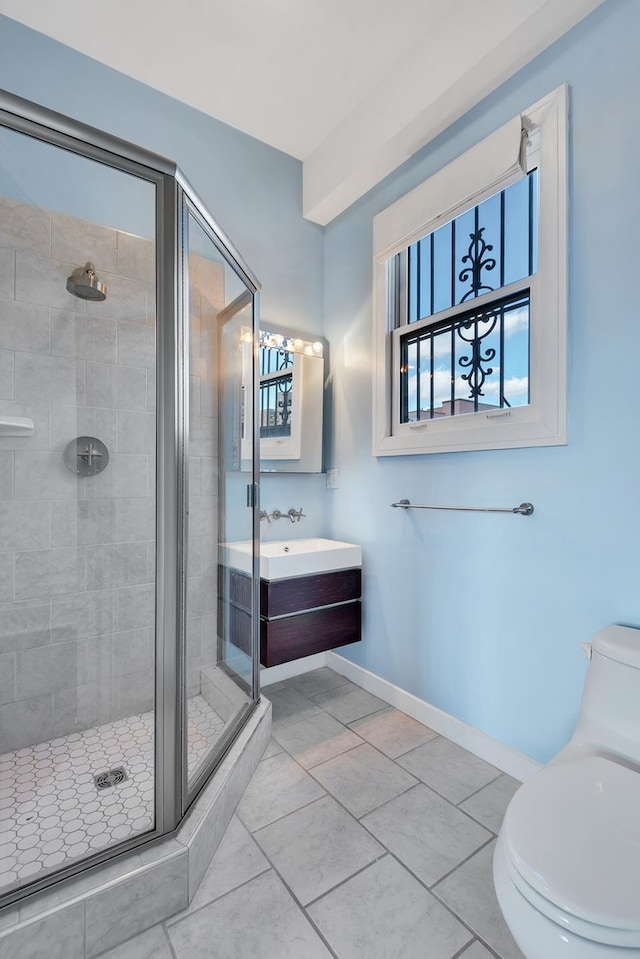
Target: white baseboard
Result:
[[504, 757], [276, 674]]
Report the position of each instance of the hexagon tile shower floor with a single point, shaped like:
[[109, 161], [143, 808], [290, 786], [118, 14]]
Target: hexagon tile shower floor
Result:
[[51, 809]]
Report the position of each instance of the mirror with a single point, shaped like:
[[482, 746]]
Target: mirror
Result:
[[291, 400]]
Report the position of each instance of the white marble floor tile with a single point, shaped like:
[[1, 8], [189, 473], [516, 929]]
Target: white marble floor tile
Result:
[[427, 833], [450, 770], [470, 894], [278, 787], [393, 732], [289, 706], [489, 805], [260, 920], [316, 739], [349, 702], [362, 779], [318, 681], [317, 847], [383, 913], [476, 951]]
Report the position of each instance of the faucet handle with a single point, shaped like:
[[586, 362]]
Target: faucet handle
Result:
[[265, 515], [295, 515]]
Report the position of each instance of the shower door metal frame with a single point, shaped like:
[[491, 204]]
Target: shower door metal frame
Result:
[[189, 204], [171, 800]]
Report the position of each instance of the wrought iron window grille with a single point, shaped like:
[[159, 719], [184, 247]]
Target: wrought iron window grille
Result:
[[473, 301]]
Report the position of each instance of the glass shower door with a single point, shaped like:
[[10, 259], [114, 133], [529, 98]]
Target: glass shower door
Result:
[[77, 508], [218, 610]]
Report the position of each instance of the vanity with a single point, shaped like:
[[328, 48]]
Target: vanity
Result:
[[310, 597]]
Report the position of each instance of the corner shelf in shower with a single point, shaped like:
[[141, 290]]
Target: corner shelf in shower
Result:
[[15, 425]]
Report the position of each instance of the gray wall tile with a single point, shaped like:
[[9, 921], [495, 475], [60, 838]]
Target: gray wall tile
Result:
[[6, 475], [135, 519], [115, 387], [7, 274], [7, 568], [133, 651], [135, 606], [37, 375], [81, 241], [7, 678], [43, 476], [68, 422], [126, 475], [40, 280], [81, 707], [134, 692], [42, 670], [122, 564], [136, 345], [6, 374], [24, 723], [23, 625], [25, 227], [82, 523], [136, 432], [126, 300], [136, 257], [84, 614], [46, 572], [93, 661], [24, 525], [86, 337], [24, 326]]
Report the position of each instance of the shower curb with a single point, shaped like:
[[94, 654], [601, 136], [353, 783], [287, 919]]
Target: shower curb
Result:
[[84, 917]]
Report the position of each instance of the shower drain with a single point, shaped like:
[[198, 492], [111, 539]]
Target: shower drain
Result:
[[112, 777]]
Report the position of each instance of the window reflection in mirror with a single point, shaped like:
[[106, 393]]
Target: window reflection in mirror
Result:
[[290, 405]]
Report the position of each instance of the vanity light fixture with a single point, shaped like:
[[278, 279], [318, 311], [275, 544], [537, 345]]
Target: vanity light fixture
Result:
[[290, 344]]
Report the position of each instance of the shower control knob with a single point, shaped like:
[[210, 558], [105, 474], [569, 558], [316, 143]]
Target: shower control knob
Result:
[[86, 456]]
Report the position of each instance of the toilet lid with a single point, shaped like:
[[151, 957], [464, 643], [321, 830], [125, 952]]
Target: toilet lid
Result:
[[573, 834]]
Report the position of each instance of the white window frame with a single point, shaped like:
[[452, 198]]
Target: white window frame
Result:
[[482, 171]]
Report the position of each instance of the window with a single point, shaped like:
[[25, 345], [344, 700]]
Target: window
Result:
[[470, 297]]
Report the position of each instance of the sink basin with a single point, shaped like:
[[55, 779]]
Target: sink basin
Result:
[[294, 557]]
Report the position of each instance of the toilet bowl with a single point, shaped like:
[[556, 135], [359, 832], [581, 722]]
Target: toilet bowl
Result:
[[567, 861]]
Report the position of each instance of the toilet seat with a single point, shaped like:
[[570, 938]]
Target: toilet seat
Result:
[[571, 837]]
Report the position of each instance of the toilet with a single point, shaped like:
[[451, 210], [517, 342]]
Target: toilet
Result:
[[566, 866]]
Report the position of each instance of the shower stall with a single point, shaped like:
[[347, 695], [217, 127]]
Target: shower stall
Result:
[[127, 370]]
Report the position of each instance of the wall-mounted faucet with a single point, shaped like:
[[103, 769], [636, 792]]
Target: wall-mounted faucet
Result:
[[295, 515]]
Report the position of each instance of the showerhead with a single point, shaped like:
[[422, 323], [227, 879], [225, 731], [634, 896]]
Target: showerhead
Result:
[[84, 283]]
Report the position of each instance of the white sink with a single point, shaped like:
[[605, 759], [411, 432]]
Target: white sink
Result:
[[294, 557]]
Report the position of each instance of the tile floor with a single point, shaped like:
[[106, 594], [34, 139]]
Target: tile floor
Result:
[[362, 835], [50, 810]]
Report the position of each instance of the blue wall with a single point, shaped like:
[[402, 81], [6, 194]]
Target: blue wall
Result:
[[252, 190], [482, 615]]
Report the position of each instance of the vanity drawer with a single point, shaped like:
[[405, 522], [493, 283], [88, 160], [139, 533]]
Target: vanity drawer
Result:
[[293, 637], [285, 596]]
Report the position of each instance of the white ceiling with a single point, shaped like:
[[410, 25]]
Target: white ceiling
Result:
[[340, 84]]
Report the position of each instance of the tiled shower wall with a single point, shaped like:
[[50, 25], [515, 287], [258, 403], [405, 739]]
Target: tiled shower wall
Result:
[[206, 299], [77, 556], [77, 563]]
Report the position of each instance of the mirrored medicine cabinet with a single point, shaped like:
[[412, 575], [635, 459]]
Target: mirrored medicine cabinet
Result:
[[292, 371]]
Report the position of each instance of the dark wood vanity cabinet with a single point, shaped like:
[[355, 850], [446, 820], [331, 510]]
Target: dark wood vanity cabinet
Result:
[[299, 616]]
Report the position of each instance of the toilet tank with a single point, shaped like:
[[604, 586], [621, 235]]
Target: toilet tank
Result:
[[610, 710]]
